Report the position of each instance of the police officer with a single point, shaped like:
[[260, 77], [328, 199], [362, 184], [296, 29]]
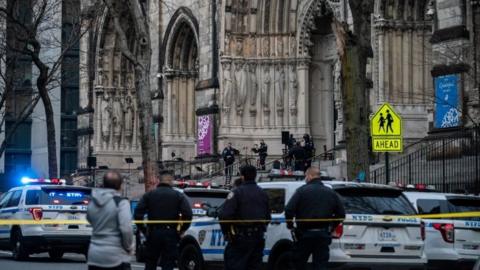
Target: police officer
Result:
[[298, 155], [163, 203], [313, 201], [228, 156], [246, 240], [309, 147]]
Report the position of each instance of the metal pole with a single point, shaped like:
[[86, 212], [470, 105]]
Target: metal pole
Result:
[[443, 167], [387, 168]]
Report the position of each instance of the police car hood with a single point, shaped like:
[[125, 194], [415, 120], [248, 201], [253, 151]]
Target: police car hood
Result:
[[102, 196]]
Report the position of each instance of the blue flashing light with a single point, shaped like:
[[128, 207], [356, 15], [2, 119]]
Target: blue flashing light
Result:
[[26, 180]]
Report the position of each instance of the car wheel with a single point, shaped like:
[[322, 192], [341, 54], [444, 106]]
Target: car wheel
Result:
[[19, 251], [283, 261], [55, 254], [190, 258]]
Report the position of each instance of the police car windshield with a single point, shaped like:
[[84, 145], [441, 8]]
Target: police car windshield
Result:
[[60, 196], [197, 198], [375, 201]]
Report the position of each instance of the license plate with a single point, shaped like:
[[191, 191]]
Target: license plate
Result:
[[386, 235], [73, 217]]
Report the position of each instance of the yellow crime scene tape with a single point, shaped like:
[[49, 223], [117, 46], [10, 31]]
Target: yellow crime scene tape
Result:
[[82, 222]]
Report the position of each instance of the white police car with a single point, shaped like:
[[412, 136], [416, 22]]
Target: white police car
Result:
[[450, 243], [44, 199], [370, 237]]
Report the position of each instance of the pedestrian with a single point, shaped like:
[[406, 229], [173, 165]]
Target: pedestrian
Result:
[[309, 150], [313, 201], [262, 152], [163, 204], [245, 240], [111, 243], [228, 155], [298, 155]]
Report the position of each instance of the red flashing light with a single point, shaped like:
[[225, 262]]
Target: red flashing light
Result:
[[56, 201], [197, 205], [55, 181], [37, 213], [420, 186]]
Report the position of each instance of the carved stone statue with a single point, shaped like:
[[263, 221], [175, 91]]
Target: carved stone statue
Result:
[[267, 84], [227, 86], [117, 120], [266, 47], [337, 83], [239, 47], [129, 114], [106, 116], [293, 83], [253, 84], [241, 87], [279, 86]]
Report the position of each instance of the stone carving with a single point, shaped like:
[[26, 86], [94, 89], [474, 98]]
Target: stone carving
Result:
[[293, 90], [293, 46], [227, 86], [130, 83], [279, 47], [253, 84], [267, 84], [241, 87], [239, 47], [337, 83], [266, 46], [117, 120], [279, 86], [129, 115], [106, 116]]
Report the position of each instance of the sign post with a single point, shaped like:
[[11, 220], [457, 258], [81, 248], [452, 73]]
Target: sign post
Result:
[[387, 134]]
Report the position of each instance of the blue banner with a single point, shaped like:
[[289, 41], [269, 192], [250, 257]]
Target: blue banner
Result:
[[447, 104]]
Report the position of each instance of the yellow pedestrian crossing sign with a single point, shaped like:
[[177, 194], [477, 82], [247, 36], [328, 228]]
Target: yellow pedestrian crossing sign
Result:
[[386, 130]]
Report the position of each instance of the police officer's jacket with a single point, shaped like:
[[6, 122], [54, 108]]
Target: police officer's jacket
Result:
[[262, 151], [165, 203], [247, 202], [228, 154], [314, 201]]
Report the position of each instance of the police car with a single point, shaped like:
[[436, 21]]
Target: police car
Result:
[[372, 236], [45, 199], [450, 243]]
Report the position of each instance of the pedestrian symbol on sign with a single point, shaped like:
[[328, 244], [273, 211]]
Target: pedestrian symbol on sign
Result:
[[386, 130]]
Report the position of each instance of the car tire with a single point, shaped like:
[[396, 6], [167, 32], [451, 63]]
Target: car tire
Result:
[[55, 254], [190, 258], [19, 251], [283, 261]]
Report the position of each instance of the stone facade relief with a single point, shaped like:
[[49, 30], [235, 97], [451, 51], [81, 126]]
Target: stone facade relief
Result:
[[227, 86], [293, 90], [267, 86], [279, 88], [241, 82], [252, 68]]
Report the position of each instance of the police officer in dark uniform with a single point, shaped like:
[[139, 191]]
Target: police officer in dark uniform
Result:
[[246, 240], [298, 155], [309, 150], [313, 201], [163, 203], [228, 156]]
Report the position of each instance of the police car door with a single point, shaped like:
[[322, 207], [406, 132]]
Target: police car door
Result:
[[370, 229], [467, 230], [4, 215], [277, 229]]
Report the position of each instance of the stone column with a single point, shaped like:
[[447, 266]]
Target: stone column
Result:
[[407, 64], [182, 106], [303, 89], [98, 124], [190, 107], [387, 94], [381, 66], [168, 115]]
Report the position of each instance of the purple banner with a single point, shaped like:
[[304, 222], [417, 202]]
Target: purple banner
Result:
[[205, 135]]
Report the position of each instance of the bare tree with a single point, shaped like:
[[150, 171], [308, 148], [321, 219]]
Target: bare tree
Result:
[[140, 57], [37, 26], [354, 49]]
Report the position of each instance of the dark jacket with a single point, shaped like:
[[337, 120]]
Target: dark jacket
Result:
[[263, 150], [228, 155], [246, 202], [314, 201], [298, 153], [164, 203]]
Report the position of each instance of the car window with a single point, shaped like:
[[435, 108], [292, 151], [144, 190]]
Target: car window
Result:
[[214, 199], [429, 206], [15, 199], [33, 197], [375, 201], [5, 199], [276, 197], [64, 196], [459, 205]]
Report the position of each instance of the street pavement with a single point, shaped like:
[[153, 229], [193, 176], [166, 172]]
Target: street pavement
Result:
[[43, 262]]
